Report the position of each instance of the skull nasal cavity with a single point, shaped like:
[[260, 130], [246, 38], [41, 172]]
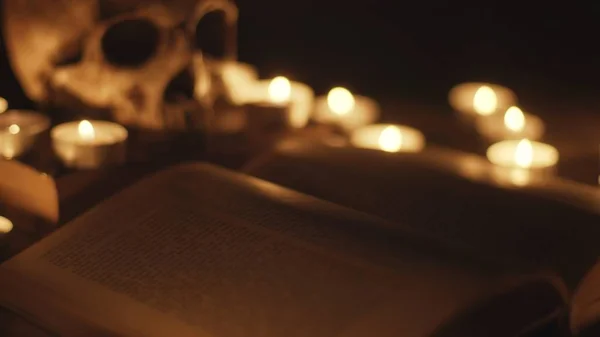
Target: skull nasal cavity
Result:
[[130, 43]]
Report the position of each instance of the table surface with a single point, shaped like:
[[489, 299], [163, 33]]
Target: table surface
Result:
[[574, 134]]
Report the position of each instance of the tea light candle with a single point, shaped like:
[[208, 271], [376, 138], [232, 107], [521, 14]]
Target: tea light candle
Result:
[[19, 129], [6, 226], [272, 113], [522, 162], [523, 153], [298, 98], [3, 104], [340, 107], [89, 144], [513, 124], [388, 138], [480, 99]]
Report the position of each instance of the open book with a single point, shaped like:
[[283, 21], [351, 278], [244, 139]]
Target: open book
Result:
[[198, 250], [459, 197], [553, 224]]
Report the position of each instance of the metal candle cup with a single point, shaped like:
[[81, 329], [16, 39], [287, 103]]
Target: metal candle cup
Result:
[[523, 161], [343, 109], [6, 226], [19, 130], [388, 138], [471, 100], [89, 144], [297, 97], [513, 124]]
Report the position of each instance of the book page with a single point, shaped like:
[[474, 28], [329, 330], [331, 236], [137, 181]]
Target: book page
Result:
[[429, 192], [201, 251]]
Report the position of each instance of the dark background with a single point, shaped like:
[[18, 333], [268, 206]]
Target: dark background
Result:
[[418, 50], [396, 50]]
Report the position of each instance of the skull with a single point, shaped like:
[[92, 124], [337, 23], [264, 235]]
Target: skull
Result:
[[138, 62]]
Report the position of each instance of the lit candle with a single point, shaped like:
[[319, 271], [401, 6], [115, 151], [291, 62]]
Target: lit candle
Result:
[[298, 98], [523, 154], [280, 91], [513, 124], [480, 99], [3, 104], [523, 161], [6, 226], [340, 107], [19, 130], [89, 144], [268, 119], [388, 138], [272, 113]]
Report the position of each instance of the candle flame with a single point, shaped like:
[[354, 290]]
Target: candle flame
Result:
[[3, 104], [280, 89], [524, 154], [390, 139], [340, 100], [514, 119], [86, 130], [14, 129], [5, 225], [485, 101]]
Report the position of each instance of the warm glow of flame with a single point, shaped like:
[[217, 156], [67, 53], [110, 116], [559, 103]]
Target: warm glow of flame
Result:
[[340, 100], [520, 177], [3, 105], [524, 154], [5, 225], [280, 89], [86, 130], [390, 139], [514, 119], [14, 129], [485, 101]]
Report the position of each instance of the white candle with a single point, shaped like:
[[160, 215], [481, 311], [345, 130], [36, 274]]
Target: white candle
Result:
[[340, 107], [522, 162], [3, 104], [513, 124], [89, 144], [480, 99], [280, 90], [6, 226], [295, 96], [19, 130], [388, 138], [267, 119], [523, 154]]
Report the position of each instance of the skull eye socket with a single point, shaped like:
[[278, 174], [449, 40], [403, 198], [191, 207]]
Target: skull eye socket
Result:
[[211, 33], [130, 43]]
